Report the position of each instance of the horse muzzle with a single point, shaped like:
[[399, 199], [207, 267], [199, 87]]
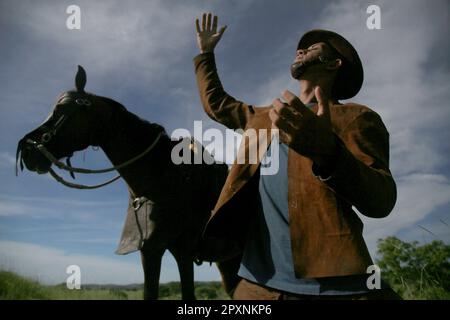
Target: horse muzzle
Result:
[[28, 155]]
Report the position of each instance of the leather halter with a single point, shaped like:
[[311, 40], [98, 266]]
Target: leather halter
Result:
[[48, 134]]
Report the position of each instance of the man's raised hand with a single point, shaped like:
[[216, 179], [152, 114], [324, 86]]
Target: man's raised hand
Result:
[[207, 35]]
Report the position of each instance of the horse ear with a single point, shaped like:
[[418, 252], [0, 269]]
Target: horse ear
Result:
[[80, 79]]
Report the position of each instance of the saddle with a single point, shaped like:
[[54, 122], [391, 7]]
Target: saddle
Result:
[[146, 221]]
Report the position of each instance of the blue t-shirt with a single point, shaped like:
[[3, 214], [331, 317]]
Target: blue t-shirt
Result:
[[267, 256]]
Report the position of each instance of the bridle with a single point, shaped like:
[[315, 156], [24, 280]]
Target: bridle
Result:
[[51, 132]]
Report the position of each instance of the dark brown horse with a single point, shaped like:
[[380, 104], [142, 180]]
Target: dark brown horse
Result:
[[169, 204]]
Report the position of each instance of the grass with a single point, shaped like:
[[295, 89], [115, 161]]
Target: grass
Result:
[[15, 287], [417, 290]]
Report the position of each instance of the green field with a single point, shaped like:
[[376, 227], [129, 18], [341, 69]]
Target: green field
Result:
[[15, 287], [414, 271]]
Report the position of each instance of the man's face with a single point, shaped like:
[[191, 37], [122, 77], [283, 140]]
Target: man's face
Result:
[[313, 52], [316, 60]]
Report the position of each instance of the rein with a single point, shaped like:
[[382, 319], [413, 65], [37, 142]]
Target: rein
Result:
[[80, 186], [71, 169]]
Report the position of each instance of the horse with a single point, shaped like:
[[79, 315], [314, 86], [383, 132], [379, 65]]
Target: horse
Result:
[[169, 203]]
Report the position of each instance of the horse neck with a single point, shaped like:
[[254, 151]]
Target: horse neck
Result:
[[129, 136]]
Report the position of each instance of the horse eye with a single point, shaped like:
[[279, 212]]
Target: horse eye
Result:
[[46, 137], [87, 102]]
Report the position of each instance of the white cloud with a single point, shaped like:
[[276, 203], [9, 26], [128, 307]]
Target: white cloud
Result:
[[51, 207], [13, 208], [418, 196], [7, 160], [424, 232], [111, 34], [62, 201], [273, 87], [48, 265], [125, 49], [10, 209]]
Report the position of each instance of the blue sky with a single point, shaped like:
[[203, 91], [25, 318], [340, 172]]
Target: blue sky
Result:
[[140, 54]]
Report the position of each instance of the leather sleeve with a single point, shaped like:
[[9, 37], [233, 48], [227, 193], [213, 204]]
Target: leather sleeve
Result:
[[219, 106], [361, 175]]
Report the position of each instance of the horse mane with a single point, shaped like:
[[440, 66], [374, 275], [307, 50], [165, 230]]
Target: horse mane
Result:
[[143, 127]]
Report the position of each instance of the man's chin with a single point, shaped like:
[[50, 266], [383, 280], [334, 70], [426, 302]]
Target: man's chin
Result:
[[297, 70]]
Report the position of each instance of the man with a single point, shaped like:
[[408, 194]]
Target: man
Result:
[[299, 236]]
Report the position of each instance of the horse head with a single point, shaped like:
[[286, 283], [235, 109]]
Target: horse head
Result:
[[72, 125]]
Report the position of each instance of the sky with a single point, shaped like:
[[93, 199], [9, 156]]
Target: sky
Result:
[[140, 53]]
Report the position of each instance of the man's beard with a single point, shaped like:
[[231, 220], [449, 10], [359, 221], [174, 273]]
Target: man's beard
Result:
[[299, 68]]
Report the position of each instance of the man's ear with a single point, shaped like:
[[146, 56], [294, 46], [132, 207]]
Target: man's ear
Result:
[[334, 64]]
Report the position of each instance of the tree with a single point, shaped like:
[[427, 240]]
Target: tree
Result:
[[206, 293], [414, 271]]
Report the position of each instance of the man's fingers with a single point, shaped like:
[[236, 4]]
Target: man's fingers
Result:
[[295, 102], [285, 116], [322, 100], [222, 30], [204, 22], [278, 105], [273, 115], [278, 121], [197, 25], [214, 24], [286, 111], [209, 21], [285, 129]]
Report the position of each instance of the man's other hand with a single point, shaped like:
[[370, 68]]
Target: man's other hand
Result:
[[306, 132]]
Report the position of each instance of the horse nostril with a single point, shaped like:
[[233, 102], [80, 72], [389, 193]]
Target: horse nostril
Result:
[[26, 150]]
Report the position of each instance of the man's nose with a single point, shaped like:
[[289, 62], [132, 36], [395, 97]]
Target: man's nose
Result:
[[301, 52]]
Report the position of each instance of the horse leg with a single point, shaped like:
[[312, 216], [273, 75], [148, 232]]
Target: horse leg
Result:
[[184, 260], [151, 263]]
